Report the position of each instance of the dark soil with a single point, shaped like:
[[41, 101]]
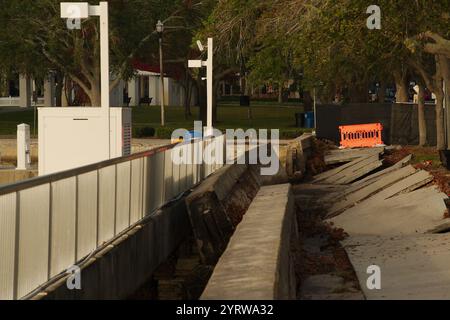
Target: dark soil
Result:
[[321, 254]]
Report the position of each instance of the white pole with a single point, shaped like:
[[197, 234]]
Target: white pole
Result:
[[210, 86], [102, 12], [23, 147], [104, 61], [161, 84]]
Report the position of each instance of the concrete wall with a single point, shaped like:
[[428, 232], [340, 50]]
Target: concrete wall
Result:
[[123, 266], [217, 206], [25, 88], [258, 263], [293, 156]]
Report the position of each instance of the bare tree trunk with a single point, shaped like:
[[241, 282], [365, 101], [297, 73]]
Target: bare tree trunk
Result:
[[216, 98], [187, 99], [421, 116], [445, 71], [280, 92], [440, 122], [95, 96], [66, 93], [434, 83], [382, 92], [441, 72], [59, 88], [402, 87]]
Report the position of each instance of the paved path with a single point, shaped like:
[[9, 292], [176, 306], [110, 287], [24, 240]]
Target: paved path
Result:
[[389, 219], [412, 267]]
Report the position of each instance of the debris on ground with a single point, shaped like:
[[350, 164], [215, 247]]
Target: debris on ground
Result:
[[315, 163], [324, 270], [392, 157], [397, 203]]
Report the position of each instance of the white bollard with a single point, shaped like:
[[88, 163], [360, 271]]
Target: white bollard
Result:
[[23, 147]]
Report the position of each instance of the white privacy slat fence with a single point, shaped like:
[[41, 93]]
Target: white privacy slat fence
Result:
[[49, 223]]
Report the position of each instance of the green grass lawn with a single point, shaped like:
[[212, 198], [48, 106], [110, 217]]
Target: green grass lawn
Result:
[[10, 120], [229, 117]]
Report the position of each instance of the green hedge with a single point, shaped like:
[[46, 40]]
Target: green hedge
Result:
[[292, 133], [164, 132], [143, 132]]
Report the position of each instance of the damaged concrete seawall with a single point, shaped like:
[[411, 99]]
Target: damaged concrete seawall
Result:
[[129, 261], [126, 263], [259, 261]]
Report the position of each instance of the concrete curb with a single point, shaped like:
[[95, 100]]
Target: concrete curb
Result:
[[258, 263]]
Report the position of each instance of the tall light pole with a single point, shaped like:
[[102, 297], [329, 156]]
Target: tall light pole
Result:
[[160, 30]]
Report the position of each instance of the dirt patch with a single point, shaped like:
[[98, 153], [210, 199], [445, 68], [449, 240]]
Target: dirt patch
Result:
[[315, 163], [181, 277], [324, 269], [392, 157]]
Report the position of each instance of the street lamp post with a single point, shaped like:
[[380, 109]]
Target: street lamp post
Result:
[[160, 30]]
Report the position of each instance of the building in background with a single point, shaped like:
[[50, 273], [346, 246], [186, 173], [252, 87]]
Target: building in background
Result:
[[143, 89]]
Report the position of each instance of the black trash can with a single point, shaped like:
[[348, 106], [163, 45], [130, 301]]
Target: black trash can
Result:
[[300, 120], [245, 101]]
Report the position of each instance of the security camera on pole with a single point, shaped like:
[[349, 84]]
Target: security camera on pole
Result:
[[209, 84]]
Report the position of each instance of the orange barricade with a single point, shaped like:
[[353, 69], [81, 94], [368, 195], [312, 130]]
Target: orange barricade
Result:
[[361, 135]]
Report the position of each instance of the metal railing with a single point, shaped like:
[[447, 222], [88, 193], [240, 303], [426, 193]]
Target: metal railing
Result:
[[49, 223]]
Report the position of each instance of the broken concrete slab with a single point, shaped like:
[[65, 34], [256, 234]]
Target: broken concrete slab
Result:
[[412, 267], [379, 174], [346, 155], [311, 195], [361, 194], [366, 169], [327, 174], [416, 212], [328, 287], [354, 171], [355, 186], [310, 188], [407, 184]]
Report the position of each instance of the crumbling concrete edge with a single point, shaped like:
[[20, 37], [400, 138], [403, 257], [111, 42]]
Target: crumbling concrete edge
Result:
[[257, 276], [298, 151]]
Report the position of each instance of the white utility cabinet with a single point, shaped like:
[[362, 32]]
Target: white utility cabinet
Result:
[[74, 137]]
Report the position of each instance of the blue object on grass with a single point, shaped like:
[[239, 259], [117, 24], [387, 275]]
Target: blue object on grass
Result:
[[309, 120]]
